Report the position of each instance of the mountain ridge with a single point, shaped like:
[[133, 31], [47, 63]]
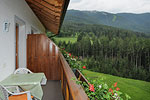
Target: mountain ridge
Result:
[[129, 21]]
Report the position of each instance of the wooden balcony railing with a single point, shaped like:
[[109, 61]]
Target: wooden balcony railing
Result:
[[44, 56], [80, 76], [71, 90]]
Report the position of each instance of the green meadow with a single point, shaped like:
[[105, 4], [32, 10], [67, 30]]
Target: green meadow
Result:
[[138, 90], [66, 39]]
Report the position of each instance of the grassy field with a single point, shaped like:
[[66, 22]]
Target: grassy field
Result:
[[67, 39], [138, 90]]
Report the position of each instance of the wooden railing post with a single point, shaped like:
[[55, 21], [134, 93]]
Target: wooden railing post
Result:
[[62, 80], [67, 92]]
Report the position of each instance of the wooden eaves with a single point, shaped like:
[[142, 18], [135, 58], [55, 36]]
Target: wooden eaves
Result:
[[50, 12]]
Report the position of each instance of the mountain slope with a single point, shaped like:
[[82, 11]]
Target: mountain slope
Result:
[[70, 29], [135, 22]]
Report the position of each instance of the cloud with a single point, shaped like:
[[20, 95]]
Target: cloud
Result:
[[114, 6], [75, 1]]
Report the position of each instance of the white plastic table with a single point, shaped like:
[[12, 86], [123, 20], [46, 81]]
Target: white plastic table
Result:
[[28, 82]]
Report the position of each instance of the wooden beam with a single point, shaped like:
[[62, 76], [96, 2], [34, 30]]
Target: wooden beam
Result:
[[47, 20], [46, 13], [50, 12], [54, 2], [46, 5], [50, 26], [33, 7], [46, 16], [45, 9]]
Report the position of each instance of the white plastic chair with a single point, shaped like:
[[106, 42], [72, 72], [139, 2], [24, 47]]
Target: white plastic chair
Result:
[[6, 93], [22, 71]]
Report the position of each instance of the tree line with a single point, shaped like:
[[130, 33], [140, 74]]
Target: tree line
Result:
[[110, 50]]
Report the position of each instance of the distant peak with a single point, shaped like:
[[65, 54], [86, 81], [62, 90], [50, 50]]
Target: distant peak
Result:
[[95, 11], [104, 13]]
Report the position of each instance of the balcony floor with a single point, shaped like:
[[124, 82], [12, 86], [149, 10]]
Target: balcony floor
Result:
[[52, 91]]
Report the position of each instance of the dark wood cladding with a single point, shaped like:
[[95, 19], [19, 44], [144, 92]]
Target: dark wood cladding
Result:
[[42, 56], [50, 12]]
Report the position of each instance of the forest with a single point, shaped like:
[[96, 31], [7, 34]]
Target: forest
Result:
[[109, 50]]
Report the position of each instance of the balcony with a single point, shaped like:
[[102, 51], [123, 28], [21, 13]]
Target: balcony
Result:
[[44, 56]]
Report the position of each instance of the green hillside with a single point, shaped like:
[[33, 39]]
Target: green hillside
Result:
[[138, 90]]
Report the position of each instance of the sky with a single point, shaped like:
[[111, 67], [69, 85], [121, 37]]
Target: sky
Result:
[[113, 6]]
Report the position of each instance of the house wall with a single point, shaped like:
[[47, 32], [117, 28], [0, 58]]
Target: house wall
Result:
[[12, 11]]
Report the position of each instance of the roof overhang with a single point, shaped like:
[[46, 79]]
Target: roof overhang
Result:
[[50, 12]]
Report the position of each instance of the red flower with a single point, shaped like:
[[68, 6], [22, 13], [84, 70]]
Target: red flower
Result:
[[84, 67], [117, 89], [63, 48], [110, 90], [69, 54], [91, 87], [115, 84]]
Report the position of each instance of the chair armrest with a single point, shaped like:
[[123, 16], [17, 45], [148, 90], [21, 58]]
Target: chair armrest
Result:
[[30, 72], [26, 92], [16, 87]]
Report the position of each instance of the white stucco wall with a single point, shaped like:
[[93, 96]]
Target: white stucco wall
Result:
[[8, 10]]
